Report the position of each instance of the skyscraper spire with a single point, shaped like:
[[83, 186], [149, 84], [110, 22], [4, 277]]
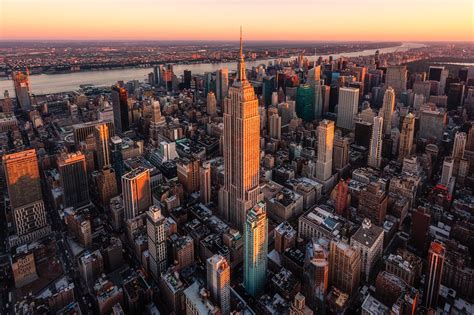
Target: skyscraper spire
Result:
[[241, 76], [241, 52]]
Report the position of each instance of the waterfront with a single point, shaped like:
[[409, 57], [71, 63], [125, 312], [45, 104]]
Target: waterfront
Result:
[[54, 83]]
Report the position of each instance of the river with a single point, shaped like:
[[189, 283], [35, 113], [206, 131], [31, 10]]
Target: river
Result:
[[54, 83]]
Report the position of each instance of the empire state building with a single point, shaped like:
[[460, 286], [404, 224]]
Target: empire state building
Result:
[[241, 190]]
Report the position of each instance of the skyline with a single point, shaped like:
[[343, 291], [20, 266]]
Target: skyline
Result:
[[267, 20]]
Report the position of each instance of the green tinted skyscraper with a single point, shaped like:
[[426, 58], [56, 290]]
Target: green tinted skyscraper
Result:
[[305, 102], [255, 249]]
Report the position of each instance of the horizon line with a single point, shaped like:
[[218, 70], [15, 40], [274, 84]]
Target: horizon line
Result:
[[233, 40]]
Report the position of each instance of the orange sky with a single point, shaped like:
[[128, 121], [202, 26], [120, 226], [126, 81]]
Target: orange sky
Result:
[[220, 19]]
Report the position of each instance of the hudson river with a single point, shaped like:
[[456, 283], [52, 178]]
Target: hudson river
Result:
[[53, 83]]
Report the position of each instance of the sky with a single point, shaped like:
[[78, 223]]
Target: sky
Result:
[[325, 20]]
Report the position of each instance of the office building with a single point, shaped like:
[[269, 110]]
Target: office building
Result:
[[23, 268], [342, 195], [388, 107], [85, 130], [347, 107], [188, 174], [101, 135], [432, 123], [422, 88], [420, 226], [372, 306], [456, 92], [29, 215], [222, 84], [340, 152], [218, 282], [373, 203], [436, 256], [21, 83], [274, 124], [155, 227], [405, 265], [325, 150], [285, 237], [316, 273], [406, 137], [299, 307], [171, 290], [79, 226], [73, 173], [182, 248], [318, 99], [22, 175], [305, 102], [375, 149], [205, 183], [255, 249], [197, 301], [396, 77], [211, 104], [106, 185], [447, 171], [136, 192], [91, 266], [241, 190], [368, 241], [267, 90], [121, 108], [459, 145], [157, 121], [345, 267]]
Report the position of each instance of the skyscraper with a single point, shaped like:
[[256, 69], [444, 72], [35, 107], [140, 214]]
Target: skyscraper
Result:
[[318, 99], [211, 104], [373, 203], [347, 107], [341, 197], [106, 185], [21, 82], [375, 150], [136, 192], [305, 102], [340, 152], [345, 267], [157, 120], [396, 77], [120, 107], [316, 274], [101, 134], [218, 282], [22, 175], [406, 137], [241, 189], [368, 241], [205, 182], [387, 109], [274, 123], [255, 249], [24, 191], [447, 171], [188, 174], [420, 228], [436, 256], [325, 147], [155, 227], [222, 84], [72, 169], [459, 145]]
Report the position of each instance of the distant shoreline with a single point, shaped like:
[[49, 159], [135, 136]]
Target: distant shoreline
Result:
[[105, 67]]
